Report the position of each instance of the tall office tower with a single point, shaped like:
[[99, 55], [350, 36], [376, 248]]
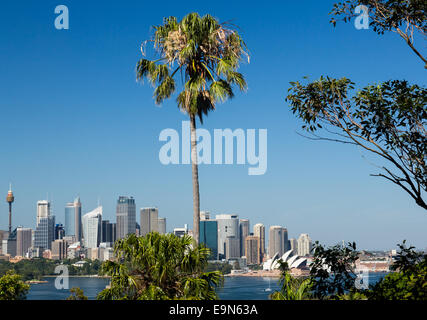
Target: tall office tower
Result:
[[9, 199], [149, 220], [205, 215], [294, 246], [304, 245], [43, 210], [92, 228], [23, 240], [232, 248], [228, 226], [162, 225], [45, 227], [126, 217], [209, 236], [278, 242], [73, 219], [259, 231], [252, 250], [244, 232]]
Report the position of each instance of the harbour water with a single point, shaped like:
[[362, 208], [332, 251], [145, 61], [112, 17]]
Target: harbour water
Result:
[[235, 288]]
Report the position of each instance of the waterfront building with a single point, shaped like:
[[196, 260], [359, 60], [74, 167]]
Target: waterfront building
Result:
[[252, 250], [205, 215], [232, 248], [125, 217]]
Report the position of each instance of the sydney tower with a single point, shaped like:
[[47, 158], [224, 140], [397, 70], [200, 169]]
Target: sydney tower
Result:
[[10, 198]]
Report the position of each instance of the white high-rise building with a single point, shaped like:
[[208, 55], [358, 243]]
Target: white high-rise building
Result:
[[43, 210], [228, 226], [259, 231], [304, 245], [92, 228], [149, 220]]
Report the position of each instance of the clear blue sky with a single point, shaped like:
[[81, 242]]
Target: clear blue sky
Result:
[[75, 121]]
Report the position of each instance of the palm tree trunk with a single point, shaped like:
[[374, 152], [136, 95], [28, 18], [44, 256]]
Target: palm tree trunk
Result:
[[195, 174]]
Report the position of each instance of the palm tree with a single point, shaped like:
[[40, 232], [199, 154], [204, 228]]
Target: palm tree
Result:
[[160, 267], [206, 55]]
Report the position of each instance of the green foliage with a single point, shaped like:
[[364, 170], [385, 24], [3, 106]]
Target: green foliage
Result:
[[223, 267], [291, 288], [35, 269], [332, 270], [12, 287], [403, 17], [77, 294], [204, 53], [159, 267], [408, 282], [387, 120]]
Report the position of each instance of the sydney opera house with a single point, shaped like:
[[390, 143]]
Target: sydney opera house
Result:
[[293, 261]]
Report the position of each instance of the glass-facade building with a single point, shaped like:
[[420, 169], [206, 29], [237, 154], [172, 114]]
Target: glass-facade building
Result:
[[209, 236]]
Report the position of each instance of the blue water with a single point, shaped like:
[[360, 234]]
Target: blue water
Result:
[[235, 288]]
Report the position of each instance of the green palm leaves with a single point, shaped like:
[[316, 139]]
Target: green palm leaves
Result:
[[160, 267], [204, 53]]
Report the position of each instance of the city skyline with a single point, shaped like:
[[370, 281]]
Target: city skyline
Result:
[[81, 129]]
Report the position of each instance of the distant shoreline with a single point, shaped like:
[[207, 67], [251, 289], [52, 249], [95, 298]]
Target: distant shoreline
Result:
[[77, 276]]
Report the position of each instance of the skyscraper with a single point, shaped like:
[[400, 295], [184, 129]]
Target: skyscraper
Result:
[[252, 250], [278, 241], [108, 231], [205, 215], [45, 228], [232, 248], [244, 232], [73, 219], [209, 236], [259, 231], [304, 245], [126, 217], [149, 220], [294, 246], [228, 226], [162, 225], [23, 240], [92, 228]]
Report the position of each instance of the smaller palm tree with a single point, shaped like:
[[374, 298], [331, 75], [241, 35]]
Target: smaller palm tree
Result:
[[291, 288], [159, 267]]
